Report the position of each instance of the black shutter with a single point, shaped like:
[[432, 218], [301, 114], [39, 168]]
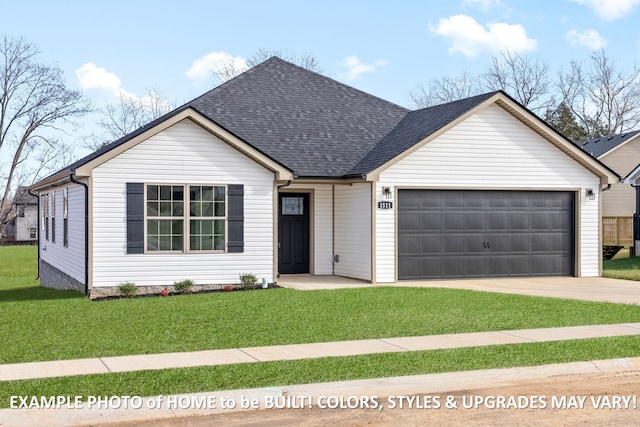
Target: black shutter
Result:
[[135, 218], [235, 217]]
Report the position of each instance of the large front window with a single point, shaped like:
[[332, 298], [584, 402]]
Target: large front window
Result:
[[191, 220]]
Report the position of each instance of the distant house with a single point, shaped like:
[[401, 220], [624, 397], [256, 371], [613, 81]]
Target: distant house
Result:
[[284, 171], [622, 154], [24, 226]]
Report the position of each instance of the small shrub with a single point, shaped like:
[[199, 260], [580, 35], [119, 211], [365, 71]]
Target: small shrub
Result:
[[248, 280], [127, 289], [183, 286]]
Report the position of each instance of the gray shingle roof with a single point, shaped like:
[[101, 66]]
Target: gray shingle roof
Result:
[[599, 146], [313, 125]]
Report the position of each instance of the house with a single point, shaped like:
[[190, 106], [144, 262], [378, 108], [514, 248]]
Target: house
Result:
[[620, 153], [284, 171], [25, 207]]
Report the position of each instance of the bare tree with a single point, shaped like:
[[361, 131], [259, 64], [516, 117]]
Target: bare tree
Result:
[[524, 78], [445, 89], [129, 113], [604, 99], [34, 103], [229, 69]]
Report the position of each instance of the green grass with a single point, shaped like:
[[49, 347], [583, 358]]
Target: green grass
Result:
[[277, 374], [622, 268], [45, 324]]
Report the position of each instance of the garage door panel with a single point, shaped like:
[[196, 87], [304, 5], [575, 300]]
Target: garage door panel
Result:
[[468, 233]]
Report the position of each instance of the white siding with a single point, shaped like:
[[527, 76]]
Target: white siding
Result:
[[182, 154], [70, 259], [321, 223], [353, 230], [490, 150]]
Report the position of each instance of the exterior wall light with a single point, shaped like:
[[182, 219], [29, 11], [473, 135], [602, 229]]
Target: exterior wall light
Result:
[[590, 194]]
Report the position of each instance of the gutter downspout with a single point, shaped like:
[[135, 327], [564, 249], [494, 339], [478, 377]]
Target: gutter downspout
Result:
[[38, 242], [86, 228]]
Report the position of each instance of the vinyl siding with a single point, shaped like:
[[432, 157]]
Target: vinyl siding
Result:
[[620, 200], [321, 224], [70, 259], [490, 150], [182, 154], [353, 230]]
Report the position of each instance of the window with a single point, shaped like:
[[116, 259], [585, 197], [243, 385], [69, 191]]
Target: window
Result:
[[206, 218], [65, 217], [293, 205], [172, 227], [33, 233], [53, 217], [165, 218]]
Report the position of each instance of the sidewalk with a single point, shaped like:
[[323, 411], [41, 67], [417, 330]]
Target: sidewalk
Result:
[[186, 405], [103, 365]]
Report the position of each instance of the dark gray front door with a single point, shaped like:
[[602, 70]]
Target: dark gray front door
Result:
[[466, 233], [293, 233]]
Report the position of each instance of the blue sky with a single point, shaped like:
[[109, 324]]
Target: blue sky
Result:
[[382, 47]]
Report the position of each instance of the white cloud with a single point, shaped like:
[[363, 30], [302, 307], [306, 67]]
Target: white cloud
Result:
[[484, 5], [201, 70], [355, 67], [470, 38], [610, 10], [90, 76], [589, 38]]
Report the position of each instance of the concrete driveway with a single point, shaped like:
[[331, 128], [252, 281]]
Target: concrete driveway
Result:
[[582, 288]]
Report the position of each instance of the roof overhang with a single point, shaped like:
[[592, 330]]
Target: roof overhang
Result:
[[85, 170], [606, 175], [633, 178]]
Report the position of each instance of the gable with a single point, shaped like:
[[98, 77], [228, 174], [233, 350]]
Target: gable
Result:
[[490, 148], [522, 119]]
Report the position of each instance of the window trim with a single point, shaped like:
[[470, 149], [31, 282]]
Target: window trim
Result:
[[186, 218]]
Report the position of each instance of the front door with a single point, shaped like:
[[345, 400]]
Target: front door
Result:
[[293, 233]]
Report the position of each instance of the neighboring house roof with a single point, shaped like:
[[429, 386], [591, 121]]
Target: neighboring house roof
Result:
[[23, 197], [602, 145], [313, 126]]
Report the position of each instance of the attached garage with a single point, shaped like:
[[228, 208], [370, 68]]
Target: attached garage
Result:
[[472, 233]]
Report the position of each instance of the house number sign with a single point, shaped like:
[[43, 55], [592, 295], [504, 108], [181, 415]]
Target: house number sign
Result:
[[385, 205]]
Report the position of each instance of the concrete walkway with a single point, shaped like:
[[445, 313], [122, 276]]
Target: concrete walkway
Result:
[[598, 289], [104, 365]]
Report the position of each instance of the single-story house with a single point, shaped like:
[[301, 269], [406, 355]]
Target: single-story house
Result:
[[284, 171]]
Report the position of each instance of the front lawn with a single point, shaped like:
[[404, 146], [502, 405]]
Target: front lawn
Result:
[[45, 324]]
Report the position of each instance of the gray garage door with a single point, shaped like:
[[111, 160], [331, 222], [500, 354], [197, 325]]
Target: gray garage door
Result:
[[458, 234]]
